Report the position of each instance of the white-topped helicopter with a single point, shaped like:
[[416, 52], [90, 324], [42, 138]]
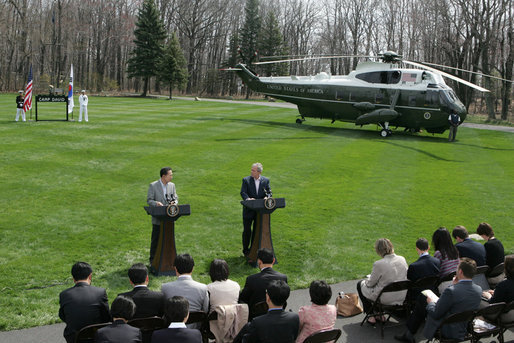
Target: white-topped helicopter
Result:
[[379, 93]]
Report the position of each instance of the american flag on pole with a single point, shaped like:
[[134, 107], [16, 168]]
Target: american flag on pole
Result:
[[27, 102], [70, 92]]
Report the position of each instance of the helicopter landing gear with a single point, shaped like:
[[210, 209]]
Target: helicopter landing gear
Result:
[[300, 120], [385, 129]]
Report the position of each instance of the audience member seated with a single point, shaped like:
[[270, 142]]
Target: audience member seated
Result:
[[177, 310], [389, 269], [494, 252], [504, 291], [122, 310], [222, 291], [82, 304], [425, 266], [462, 296], [195, 292], [254, 290], [468, 247], [447, 253], [277, 326], [319, 315], [223, 296], [148, 303]]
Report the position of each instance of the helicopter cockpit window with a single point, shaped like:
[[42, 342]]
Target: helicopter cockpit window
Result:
[[386, 77]]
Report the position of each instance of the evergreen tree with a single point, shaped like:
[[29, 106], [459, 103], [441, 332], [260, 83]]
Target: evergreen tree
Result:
[[250, 31], [149, 38], [271, 43], [173, 65]]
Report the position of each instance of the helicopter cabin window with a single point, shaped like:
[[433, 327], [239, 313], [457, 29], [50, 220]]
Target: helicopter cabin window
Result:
[[432, 98], [387, 77]]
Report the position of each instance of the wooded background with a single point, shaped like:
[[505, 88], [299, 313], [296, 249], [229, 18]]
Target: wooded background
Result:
[[97, 37]]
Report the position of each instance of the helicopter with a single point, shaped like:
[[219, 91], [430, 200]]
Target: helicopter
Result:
[[376, 92]]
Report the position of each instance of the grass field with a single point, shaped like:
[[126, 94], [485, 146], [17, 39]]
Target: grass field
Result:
[[75, 191]]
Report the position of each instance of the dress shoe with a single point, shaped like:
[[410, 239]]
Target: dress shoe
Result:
[[405, 337]]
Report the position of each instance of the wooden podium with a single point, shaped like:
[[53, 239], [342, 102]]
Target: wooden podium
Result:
[[166, 252], [262, 228]]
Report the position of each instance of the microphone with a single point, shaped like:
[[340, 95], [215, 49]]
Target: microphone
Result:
[[168, 199]]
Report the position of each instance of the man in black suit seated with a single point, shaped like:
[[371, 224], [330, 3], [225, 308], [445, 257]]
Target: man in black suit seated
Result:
[[424, 266], [177, 310], [468, 247], [122, 309], [82, 304], [148, 303], [255, 287], [462, 296], [277, 326], [254, 186]]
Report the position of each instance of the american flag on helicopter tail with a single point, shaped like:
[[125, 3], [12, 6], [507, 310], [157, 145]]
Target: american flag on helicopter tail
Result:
[[409, 77], [70, 92], [27, 102]]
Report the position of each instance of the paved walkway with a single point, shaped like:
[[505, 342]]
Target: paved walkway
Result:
[[351, 329]]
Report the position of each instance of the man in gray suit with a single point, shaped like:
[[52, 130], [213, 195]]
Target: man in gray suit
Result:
[[195, 292], [160, 193], [462, 296]]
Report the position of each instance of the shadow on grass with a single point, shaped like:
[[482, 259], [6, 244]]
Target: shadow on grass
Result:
[[337, 131], [421, 152]]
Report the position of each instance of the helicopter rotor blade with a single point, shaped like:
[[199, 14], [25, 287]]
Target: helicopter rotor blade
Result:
[[308, 58], [467, 71], [450, 76]]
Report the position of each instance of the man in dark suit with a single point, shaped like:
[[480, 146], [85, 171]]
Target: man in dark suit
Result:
[[462, 296], [277, 326], [148, 303], [82, 304], [468, 247], [424, 266], [160, 193], [177, 310], [253, 187], [255, 287], [122, 309]]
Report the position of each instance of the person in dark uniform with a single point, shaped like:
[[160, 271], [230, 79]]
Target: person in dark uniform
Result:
[[19, 106], [253, 187]]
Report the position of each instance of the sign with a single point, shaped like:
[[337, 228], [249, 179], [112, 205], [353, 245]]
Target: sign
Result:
[[51, 98]]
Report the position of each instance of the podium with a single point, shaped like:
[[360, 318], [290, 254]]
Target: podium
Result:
[[166, 252], [262, 229]]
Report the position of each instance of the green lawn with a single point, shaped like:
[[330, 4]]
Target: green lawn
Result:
[[75, 191]]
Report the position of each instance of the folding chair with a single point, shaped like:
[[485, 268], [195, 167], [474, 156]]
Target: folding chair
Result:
[[87, 333], [495, 275], [201, 318], [506, 320], [466, 316], [488, 314], [378, 309], [258, 309], [147, 326], [444, 280], [429, 282], [322, 336]]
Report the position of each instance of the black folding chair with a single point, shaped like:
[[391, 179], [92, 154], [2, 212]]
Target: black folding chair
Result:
[[466, 316], [378, 309], [442, 279], [494, 275], [429, 282], [322, 336], [147, 326], [87, 333], [506, 320], [489, 314], [201, 318], [258, 309]]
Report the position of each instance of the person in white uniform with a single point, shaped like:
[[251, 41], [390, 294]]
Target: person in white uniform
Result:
[[19, 106], [83, 100]]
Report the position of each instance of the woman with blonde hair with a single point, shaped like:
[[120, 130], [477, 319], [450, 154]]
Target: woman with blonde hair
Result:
[[389, 269]]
